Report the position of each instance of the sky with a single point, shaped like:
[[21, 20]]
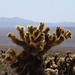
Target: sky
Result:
[[39, 10]]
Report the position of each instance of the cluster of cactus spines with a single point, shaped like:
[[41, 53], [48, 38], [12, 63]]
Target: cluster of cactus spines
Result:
[[35, 42], [38, 39], [63, 67], [72, 66], [5, 68], [21, 30], [11, 55]]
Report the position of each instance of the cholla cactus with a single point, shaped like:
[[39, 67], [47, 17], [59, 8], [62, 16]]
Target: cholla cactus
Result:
[[72, 66], [35, 42], [5, 68]]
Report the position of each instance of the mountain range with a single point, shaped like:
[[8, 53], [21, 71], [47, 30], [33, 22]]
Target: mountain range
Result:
[[12, 22]]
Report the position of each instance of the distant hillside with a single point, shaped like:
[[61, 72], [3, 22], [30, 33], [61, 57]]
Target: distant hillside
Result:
[[12, 22]]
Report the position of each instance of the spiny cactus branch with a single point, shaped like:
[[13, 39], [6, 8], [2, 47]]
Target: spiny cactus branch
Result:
[[21, 30]]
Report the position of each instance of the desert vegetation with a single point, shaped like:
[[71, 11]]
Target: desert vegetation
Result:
[[60, 64], [32, 60], [55, 64]]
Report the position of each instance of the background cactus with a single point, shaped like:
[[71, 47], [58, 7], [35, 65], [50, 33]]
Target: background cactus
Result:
[[63, 67], [35, 42]]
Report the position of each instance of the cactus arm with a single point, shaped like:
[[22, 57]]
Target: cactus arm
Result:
[[21, 30], [16, 40]]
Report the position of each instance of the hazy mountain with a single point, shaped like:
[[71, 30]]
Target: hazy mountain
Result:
[[11, 22]]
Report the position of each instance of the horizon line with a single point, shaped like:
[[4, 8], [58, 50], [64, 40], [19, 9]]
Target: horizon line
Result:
[[37, 21]]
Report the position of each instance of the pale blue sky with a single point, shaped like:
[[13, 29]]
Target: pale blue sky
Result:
[[39, 10]]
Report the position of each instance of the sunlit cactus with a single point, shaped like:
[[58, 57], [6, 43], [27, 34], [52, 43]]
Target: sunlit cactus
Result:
[[35, 42]]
